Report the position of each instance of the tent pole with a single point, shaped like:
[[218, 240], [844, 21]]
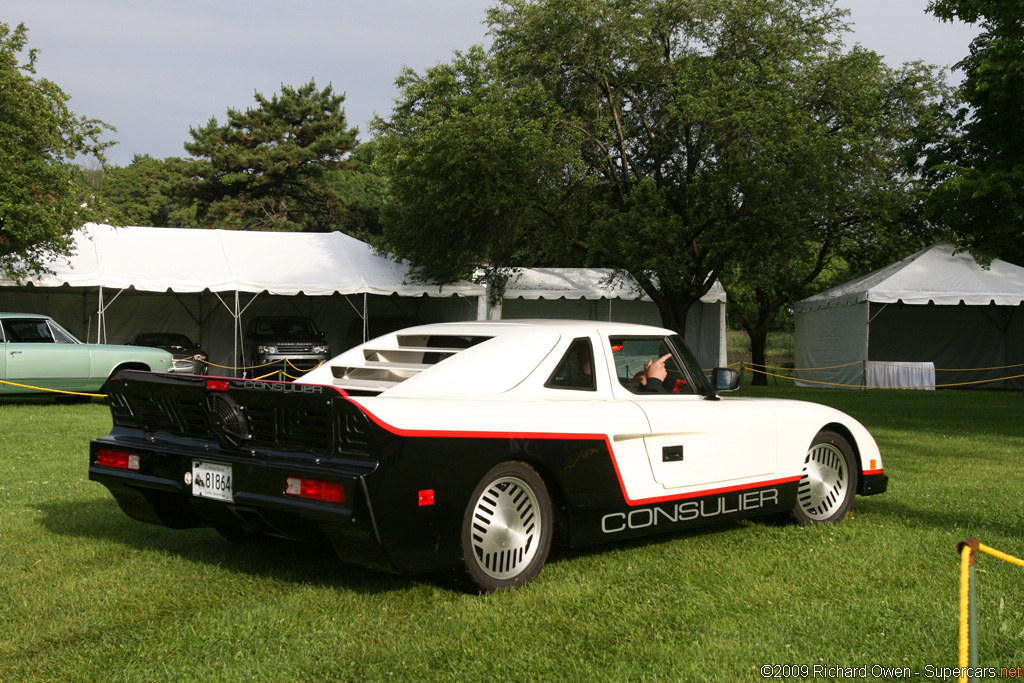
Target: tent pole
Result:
[[237, 329], [867, 346], [366, 320], [86, 318], [100, 326]]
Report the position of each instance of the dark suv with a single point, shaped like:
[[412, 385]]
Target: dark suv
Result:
[[284, 347]]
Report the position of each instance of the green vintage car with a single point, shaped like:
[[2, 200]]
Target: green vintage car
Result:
[[40, 355]]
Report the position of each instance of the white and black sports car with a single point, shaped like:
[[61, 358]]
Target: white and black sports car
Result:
[[475, 445]]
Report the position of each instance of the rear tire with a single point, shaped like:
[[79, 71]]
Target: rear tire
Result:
[[828, 481], [506, 529]]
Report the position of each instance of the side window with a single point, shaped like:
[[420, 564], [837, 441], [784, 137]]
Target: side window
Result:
[[27, 332], [632, 355], [576, 369]]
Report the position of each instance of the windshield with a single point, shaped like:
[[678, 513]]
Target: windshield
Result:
[[286, 326]]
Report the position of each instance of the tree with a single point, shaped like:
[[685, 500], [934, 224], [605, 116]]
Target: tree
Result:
[[42, 201], [667, 139], [862, 202], [364, 191], [267, 168], [980, 175], [479, 171], [149, 192]]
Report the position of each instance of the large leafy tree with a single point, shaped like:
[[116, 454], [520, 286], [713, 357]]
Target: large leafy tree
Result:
[[267, 168], [42, 198], [479, 171], [861, 199], [980, 192], [668, 139], [150, 192]]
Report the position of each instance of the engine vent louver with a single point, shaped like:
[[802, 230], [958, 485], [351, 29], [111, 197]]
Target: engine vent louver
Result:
[[383, 367]]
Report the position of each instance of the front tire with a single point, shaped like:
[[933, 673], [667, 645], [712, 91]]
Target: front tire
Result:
[[828, 481], [506, 529]]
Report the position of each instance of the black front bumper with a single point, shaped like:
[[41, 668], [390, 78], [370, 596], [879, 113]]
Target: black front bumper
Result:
[[873, 484]]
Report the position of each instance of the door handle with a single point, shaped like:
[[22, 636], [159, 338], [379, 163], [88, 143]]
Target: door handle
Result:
[[672, 454]]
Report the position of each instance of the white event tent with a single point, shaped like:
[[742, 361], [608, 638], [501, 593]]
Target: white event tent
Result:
[[936, 309], [598, 294], [121, 281], [205, 283]]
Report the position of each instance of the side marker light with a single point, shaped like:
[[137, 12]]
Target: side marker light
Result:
[[426, 497]]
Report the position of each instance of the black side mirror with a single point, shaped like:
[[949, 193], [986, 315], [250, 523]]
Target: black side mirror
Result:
[[724, 379]]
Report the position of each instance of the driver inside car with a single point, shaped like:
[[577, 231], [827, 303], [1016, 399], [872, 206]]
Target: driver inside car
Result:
[[651, 380]]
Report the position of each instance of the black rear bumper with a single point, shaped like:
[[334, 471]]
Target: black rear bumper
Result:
[[158, 493]]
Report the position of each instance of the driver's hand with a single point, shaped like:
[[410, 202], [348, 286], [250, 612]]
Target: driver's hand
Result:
[[656, 368]]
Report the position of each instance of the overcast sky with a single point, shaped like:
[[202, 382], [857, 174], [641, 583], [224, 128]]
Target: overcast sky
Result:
[[153, 68]]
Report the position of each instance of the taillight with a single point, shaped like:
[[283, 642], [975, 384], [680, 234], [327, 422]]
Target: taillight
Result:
[[314, 489], [117, 459], [217, 385]]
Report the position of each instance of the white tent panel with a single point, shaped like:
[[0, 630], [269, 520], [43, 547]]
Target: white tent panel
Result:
[[935, 306], [204, 283], [935, 275], [584, 283], [832, 341], [286, 263]]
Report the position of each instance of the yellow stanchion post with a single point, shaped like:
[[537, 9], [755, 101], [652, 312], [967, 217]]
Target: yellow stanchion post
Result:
[[968, 551], [968, 606]]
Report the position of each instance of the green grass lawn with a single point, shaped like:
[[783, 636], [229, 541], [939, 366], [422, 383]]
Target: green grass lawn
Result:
[[90, 595]]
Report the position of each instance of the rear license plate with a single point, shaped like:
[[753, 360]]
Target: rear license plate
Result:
[[211, 480]]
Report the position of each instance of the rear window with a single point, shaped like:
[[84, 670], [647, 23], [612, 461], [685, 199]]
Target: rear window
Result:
[[575, 370]]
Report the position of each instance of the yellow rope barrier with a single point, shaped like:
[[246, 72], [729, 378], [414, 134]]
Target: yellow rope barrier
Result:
[[742, 365], [872, 386], [54, 391], [997, 367], [284, 362], [811, 381], [892, 365], [242, 367], [1001, 555]]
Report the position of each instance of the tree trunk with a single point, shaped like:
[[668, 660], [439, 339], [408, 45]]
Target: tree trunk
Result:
[[758, 342], [674, 309]]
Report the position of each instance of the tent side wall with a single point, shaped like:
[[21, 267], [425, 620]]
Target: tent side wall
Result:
[[208, 318], [962, 341], [73, 308], [831, 345]]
